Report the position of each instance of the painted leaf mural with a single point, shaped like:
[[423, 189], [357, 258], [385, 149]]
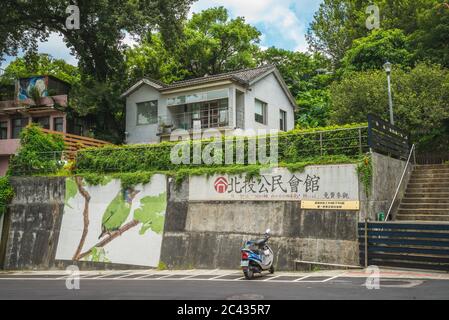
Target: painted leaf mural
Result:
[[71, 190], [152, 213]]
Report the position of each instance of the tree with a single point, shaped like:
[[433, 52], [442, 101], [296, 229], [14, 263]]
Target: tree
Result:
[[307, 77], [421, 101], [213, 43], [373, 51], [431, 39], [338, 23], [40, 64], [335, 25], [98, 44]]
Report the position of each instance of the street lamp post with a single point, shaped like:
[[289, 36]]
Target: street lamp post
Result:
[[387, 67]]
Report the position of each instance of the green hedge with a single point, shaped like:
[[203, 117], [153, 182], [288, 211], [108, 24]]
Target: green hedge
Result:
[[294, 146]]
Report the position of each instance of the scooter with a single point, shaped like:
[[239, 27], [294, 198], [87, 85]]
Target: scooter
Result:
[[257, 257]]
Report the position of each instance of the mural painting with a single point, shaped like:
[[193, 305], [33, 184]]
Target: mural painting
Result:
[[30, 88], [110, 224]]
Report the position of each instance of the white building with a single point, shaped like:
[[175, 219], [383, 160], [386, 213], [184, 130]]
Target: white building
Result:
[[245, 99]]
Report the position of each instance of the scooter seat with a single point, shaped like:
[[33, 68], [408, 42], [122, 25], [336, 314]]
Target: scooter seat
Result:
[[260, 242]]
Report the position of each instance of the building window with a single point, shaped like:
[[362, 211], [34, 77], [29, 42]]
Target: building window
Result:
[[147, 113], [261, 112], [58, 124], [17, 126], [283, 120], [44, 122], [3, 130]]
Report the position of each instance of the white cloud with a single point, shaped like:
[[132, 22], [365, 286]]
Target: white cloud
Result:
[[281, 21], [56, 47]]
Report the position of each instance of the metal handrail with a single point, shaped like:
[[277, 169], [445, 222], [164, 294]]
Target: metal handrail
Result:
[[412, 151]]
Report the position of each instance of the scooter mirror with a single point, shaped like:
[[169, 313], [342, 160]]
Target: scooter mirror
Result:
[[268, 231]]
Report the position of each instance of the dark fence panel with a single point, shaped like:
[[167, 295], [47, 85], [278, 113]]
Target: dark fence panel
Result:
[[432, 158], [405, 245], [387, 139]]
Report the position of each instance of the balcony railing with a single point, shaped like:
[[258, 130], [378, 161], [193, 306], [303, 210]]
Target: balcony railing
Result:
[[202, 119]]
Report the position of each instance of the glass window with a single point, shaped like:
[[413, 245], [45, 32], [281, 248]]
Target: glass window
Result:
[[217, 94], [3, 130], [44, 122], [283, 120], [261, 112], [17, 126], [199, 97], [58, 124], [147, 113]]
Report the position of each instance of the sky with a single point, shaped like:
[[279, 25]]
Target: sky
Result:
[[283, 24]]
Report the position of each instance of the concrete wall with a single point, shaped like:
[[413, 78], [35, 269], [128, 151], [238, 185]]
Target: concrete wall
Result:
[[387, 174], [33, 220], [210, 234]]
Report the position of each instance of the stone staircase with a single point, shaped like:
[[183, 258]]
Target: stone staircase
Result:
[[427, 195]]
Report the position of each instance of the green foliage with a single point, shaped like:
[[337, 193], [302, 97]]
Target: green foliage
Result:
[[162, 266], [210, 43], [365, 172], [33, 64], [6, 194], [93, 179], [39, 153], [151, 213], [431, 38], [421, 102], [293, 147], [338, 23], [378, 47]]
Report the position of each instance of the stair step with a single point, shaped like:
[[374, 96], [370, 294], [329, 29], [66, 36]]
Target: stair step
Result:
[[424, 200], [432, 166], [418, 194], [417, 206], [418, 217], [430, 175], [428, 184], [427, 190], [424, 211]]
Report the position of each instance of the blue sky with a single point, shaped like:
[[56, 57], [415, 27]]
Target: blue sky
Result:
[[283, 23]]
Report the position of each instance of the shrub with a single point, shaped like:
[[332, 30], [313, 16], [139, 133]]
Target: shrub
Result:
[[6, 194], [39, 153]]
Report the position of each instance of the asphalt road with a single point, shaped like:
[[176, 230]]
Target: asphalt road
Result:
[[173, 289]]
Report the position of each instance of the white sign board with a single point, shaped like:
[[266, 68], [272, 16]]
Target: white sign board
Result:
[[332, 182]]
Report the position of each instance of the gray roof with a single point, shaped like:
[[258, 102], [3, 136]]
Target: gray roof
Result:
[[245, 77]]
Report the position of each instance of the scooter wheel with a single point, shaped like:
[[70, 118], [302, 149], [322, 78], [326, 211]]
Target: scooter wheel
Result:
[[249, 274], [271, 269]]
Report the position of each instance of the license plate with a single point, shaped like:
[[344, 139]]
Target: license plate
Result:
[[244, 263]]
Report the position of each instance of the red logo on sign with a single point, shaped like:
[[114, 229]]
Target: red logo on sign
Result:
[[221, 185]]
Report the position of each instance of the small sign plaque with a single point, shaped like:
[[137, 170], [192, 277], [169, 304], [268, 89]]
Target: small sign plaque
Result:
[[330, 205]]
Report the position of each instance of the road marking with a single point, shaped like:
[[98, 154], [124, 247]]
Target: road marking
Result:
[[302, 278], [271, 278], [107, 274], [222, 275], [129, 274], [334, 277]]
